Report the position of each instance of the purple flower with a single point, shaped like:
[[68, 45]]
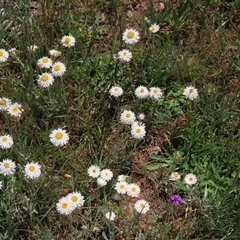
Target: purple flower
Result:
[[175, 199]]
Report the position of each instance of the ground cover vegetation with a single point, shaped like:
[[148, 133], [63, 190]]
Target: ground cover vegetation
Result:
[[119, 119]]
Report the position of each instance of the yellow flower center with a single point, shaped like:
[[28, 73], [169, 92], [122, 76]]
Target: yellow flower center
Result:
[[116, 89], [59, 135], [106, 174], [142, 205], [138, 130], [189, 209], [3, 102], [1, 53], [175, 174], [130, 34], [128, 115], [74, 198], [15, 109], [67, 40], [56, 68], [64, 205], [153, 29], [32, 168], [155, 91], [190, 179], [191, 90], [121, 186], [44, 77], [94, 170], [134, 189], [142, 90], [6, 165], [125, 54], [45, 60], [4, 139], [67, 175]]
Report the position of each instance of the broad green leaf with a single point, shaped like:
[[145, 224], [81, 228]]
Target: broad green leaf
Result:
[[156, 166]]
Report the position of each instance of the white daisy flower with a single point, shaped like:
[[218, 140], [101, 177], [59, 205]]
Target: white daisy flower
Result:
[[110, 216], [76, 198], [59, 137], [141, 206], [125, 55], [101, 182], [13, 51], [44, 62], [3, 55], [32, 48], [127, 117], [174, 176], [6, 141], [133, 190], [116, 91], [138, 130], [45, 80], [131, 36], [155, 93], [4, 103], [55, 53], [141, 116], [65, 206], [141, 92], [58, 69], [122, 178], [32, 170], [121, 187], [147, 20], [94, 171], [68, 41], [154, 28], [15, 110], [190, 93], [190, 179], [106, 174], [7, 167]]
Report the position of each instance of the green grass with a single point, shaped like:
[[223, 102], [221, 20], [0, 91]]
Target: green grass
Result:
[[197, 45]]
